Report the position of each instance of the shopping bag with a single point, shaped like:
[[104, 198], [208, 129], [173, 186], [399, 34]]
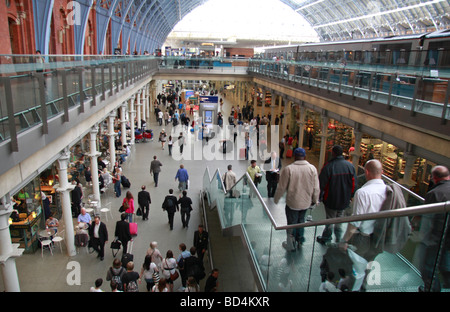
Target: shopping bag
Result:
[[115, 246], [359, 268]]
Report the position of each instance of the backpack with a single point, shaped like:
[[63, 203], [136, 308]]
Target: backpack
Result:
[[181, 263], [132, 286], [117, 278], [132, 281], [169, 203]]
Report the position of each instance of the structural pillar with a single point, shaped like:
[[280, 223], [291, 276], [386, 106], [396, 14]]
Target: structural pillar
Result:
[[8, 251], [255, 98], [301, 126], [94, 154], [123, 123], [154, 96], [112, 136], [356, 154], [263, 102], [407, 180], [323, 142], [64, 189], [132, 117], [139, 109], [145, 103]]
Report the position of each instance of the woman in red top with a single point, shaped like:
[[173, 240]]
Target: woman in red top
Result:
[[128, 203]]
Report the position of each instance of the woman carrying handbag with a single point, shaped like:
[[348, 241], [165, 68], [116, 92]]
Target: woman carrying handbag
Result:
[[169, 271]]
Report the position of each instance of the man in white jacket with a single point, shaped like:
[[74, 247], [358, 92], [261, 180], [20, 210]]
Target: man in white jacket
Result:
[[300, 182], [229, 179]]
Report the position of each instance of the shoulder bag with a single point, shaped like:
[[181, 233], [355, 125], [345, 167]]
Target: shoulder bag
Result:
[[173, 276]]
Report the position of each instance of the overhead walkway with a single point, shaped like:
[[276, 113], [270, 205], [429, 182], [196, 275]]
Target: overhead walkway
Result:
[[262, 225]]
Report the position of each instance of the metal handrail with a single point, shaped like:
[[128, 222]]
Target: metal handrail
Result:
[[205, 222], [408, 211]]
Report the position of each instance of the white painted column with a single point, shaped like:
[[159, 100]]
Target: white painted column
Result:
[[323, 142], [301, 126], [255, 99], [8, 251], [123, 123], [407, 180], [64, 189], [132, 117], [356, 154], [94, 154], [138, 108], [112, 137], [144, 103]]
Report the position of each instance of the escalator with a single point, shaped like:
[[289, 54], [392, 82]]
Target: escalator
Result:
[[246, 212]]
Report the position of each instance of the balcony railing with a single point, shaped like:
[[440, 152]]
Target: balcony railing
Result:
[[415, 91], [32, 93]]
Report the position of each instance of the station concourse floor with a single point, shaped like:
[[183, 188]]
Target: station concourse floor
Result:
[[51, 273]]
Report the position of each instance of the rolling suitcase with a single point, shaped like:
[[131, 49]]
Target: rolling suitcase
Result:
[[242, 153], [125, 182], [133, 229], [289, 153], [128, 256]]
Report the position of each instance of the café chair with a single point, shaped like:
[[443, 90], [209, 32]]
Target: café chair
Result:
[[106, 210], [58, 238], [45, 242]]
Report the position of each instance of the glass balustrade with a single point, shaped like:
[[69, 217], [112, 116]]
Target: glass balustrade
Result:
[[410, 88], [68, 79], [305, 270], [58, 83]]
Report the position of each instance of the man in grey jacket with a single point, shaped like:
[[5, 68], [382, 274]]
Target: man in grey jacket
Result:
[[300, 182], [155, 169]]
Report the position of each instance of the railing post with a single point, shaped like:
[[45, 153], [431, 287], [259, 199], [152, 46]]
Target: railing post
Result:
[[117, 77], [11, 119], [328, 80], [122, 71], [65, 98], [94, 90], [41, 83], [445, 107], [81, 88], [414, 100], [103, 83], [391, 85], [369, 96], [111, 84], [355, 79]]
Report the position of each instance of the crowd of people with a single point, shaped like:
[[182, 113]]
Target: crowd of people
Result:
[[335, 185], [159, 272]]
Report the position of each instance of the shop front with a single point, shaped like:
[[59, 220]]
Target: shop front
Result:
[[411, 171]]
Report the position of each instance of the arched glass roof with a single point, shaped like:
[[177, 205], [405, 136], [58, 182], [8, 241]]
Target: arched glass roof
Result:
[[332, 19], [347, 19]]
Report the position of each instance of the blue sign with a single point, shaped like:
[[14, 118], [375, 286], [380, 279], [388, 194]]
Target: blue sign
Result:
[[209, 99]]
